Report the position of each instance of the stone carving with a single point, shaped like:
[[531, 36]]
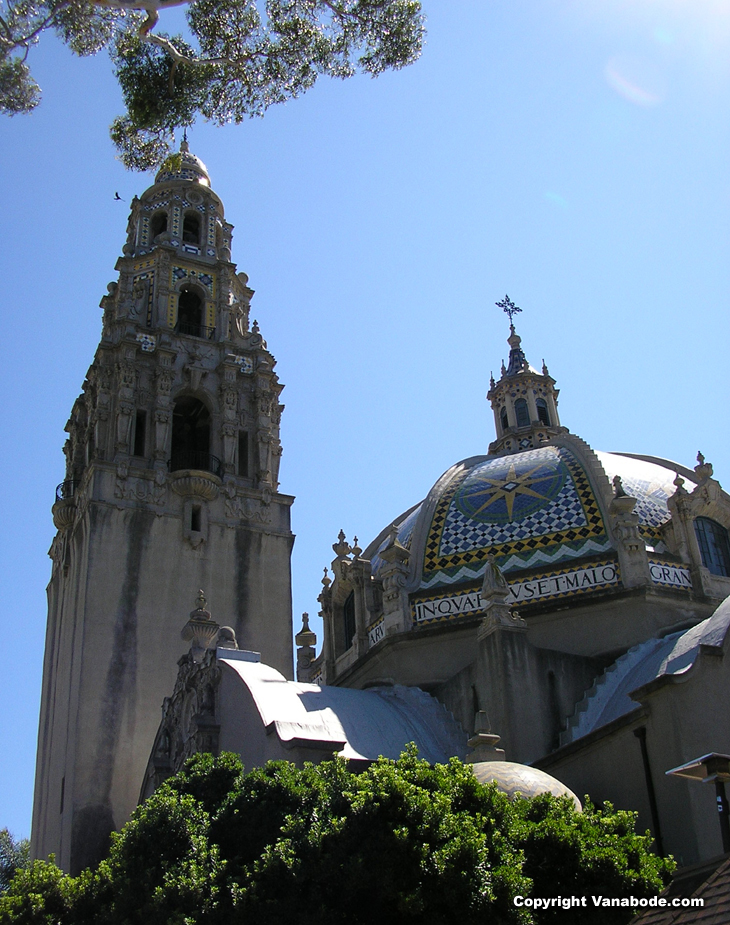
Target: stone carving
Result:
[[239, 506], [144, 490], [201, 485], [497, 612]]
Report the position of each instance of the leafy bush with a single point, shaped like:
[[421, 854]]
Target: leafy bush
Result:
[[402, 839]]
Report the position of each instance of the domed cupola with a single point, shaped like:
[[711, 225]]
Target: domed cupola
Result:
[[524, 401], [183, 166]]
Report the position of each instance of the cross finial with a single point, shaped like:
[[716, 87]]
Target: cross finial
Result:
[[508, 306]]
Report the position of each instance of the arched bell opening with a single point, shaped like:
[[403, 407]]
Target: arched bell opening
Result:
[[543, 415], [191, 437], [191, 228], [191, 314], [158, 224], [521, 413]]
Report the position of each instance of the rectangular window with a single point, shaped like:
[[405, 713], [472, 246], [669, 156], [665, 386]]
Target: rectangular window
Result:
[[195, 519], [243, 454], [140, 429]]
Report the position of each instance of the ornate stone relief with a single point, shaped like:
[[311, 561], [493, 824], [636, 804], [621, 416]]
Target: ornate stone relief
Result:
[[240, 506], [139, 488]]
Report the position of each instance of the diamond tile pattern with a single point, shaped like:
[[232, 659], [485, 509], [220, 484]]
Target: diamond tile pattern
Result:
[[513, 505]]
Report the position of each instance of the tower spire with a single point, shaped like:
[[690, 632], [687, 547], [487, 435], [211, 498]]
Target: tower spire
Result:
[[524, 401]]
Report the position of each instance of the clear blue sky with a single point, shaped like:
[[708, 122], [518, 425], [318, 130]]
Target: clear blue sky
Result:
[[572, 154]]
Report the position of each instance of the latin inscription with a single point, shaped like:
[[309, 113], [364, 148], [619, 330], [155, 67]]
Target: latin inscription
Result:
[[672, 576], [376, 633], [579, 580]]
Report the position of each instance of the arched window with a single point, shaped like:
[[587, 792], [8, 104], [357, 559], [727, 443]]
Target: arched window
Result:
[[714, 545], [543, 415], [191, 437], [158, 225], [190, 314], [348, 619], [191, 228], [503, 418], [521, 413]]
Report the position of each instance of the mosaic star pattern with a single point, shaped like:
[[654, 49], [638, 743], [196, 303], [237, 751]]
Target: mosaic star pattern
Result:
[[511, 507]]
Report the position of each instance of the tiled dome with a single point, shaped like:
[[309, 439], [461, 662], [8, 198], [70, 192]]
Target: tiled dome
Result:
[[183, 166], [530, 509]]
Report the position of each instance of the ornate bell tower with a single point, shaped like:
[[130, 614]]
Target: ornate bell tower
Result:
[[524, 401], [171, 485]]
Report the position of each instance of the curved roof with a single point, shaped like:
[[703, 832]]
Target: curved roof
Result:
[[183, 166], [531, 509], [360, 724], [672, 656], [521, 780]]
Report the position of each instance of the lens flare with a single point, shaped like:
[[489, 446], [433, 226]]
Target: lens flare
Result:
[[635, 80]]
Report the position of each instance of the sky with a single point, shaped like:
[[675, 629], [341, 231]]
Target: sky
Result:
[[573, 154]]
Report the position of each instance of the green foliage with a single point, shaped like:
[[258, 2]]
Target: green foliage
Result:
[[236, 62], [14, 855], [18, 91], [428, 845]]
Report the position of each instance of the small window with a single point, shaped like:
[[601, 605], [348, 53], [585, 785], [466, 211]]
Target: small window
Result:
[[521, 413], [714, 545], [158, 225], [348, 619], [195, 518], [140, 429], [503, 418], [191, 229], [243, 454], [542, 412]]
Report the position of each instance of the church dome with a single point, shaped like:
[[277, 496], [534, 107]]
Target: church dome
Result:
[[536, 509], [183, 166]]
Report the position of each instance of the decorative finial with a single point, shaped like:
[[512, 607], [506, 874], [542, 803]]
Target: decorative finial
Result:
[[703, 469], [341, 547], [355, 549], [679, 485], [504, 369], [494, 584], [618, 488], [184, 146], [255, 327], [483, 742], [201, 612], [544, 369], [201, 629], [305, 637], [492, 383], [508, 306], [326, 580]]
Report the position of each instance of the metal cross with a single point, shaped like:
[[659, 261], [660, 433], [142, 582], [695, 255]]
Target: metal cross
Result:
[[508, 306]]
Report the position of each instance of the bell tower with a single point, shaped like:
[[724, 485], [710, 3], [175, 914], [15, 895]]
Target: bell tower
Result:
[[171, 485]]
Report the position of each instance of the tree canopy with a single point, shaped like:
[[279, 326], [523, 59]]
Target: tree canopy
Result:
[[239, 58], [402, 839], [14, 855]]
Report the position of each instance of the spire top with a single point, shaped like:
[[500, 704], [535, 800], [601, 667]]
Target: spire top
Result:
[[509, 307], [184, 146]]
